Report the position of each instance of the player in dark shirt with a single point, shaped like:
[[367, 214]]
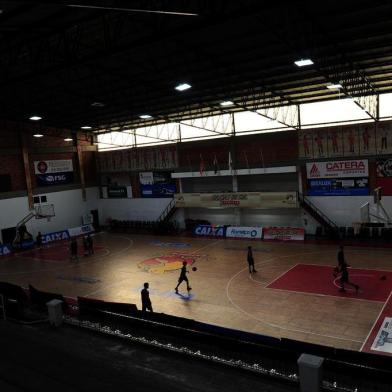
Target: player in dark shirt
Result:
[[74, 249], [39, 240], [90, 245], [251, 262], [146, 302], [342, 269], [183, 278], [341, 259]]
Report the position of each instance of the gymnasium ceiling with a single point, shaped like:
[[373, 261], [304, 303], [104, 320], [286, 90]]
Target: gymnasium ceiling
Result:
[[78, 64]]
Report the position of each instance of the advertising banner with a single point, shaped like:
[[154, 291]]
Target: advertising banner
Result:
[[117, 192], [383, 340], [56, 236], [284, 233], [384, 176], [5, 250], [338, 169], [210, 231], [80, 230], [259, 200], [339, 187], [146, 178], [54, 172], [157, 184], [244, 232]]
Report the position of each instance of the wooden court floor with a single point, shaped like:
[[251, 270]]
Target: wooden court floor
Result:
[[223, 292]]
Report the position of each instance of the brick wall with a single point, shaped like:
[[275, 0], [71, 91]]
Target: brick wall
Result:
[[50, 147]]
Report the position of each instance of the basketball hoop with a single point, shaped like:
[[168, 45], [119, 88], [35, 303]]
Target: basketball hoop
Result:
[[44, 211]]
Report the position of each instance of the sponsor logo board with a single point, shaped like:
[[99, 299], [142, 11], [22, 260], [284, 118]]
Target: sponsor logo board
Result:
[[210, 231], [80, 230], [56, 236], [338, 169], [244, 232], [284, 233]]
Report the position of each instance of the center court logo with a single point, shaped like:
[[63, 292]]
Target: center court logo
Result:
[[162, 264]]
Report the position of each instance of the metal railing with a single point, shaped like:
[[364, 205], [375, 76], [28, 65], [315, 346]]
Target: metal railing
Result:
[[167, 210], [305, 201]]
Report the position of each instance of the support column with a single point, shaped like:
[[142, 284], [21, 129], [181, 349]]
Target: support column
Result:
[[237, 210], [81, 170], [26, 165]]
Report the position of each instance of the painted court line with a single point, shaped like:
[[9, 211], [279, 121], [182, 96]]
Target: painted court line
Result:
[[96, 259], [375, 322], [272, 324]]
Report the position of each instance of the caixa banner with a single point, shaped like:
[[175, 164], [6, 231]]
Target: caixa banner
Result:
[[56, 236], [244, 232], [210, 231]]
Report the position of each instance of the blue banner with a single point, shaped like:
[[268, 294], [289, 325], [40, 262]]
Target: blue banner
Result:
[[5, 250], [27, 244], [339, 187], [158, 190], [54, 178], [56, 236], [210, 231]]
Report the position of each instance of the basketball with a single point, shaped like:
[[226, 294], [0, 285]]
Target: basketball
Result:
[[194, 268]]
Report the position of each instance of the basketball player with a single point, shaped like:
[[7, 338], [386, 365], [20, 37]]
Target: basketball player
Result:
[[251, 262], [342, 269], [39, 240], [146, 302], [74, 249], [183, 277]]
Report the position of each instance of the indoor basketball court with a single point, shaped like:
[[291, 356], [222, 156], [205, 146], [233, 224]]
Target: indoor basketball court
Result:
[[244, 146], [293, 294]]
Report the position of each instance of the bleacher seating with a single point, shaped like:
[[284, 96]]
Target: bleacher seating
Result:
[[41, 298]]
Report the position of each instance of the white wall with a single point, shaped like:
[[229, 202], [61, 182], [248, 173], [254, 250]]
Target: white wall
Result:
[[131, 209], [344, 210], [69, 208]]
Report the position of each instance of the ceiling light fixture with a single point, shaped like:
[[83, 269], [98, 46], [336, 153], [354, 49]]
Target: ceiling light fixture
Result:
[[303, 62], [35, 118], [86, 127], [227, 103], [68, 139], [145, 116], [183, 87], [38, 135], [98, 104], [334, 86]]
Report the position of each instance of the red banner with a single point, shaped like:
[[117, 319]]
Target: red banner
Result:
[[284, 233]]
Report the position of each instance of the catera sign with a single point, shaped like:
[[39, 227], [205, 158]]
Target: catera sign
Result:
[[338, 169]]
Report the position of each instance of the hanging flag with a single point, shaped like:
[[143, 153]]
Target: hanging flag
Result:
[[246, 160], [230, 162], [215, 164], [201, 165]]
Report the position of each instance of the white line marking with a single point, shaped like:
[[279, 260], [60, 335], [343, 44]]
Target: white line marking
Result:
[[272, 324], [96, 259], [282, 274], [374, 324]]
